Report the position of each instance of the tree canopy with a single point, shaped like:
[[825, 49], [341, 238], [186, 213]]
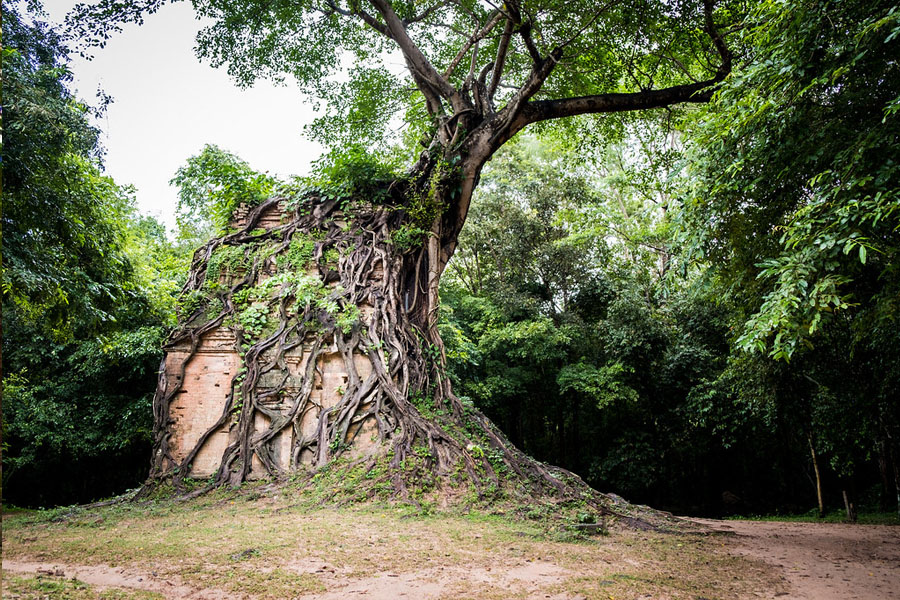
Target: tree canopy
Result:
[[797, 173], [62, 252], [88, 287], [476, 73]]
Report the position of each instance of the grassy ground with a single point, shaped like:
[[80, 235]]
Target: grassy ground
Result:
[[46, 586], [836, 516], [273, 547]]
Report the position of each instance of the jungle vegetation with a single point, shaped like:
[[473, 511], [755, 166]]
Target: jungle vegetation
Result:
[[679, 283]]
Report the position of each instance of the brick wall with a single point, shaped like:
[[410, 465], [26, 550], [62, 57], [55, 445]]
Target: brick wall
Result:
[[207, 381], [201, 399]]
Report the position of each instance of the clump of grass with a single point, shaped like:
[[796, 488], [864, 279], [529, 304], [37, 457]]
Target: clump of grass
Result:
[[25, 586]]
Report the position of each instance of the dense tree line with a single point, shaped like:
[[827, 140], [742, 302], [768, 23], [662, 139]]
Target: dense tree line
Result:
[[598, 348], [89, 287], [699, 313]]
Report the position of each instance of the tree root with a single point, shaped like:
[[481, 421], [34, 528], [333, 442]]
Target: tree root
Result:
[[335, 280]]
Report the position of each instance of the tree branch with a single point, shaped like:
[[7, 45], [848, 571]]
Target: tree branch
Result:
[[718, 41], [510, 113], [698, 92], [474, 39], [432, 85], [479, 91], [524, 30], [544, 110], [425, 13], [471, 76], [499, 62], [366, 17]]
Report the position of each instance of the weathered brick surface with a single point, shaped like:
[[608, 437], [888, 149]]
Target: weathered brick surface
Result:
[[201, 400], [271, 218], [207, 380]]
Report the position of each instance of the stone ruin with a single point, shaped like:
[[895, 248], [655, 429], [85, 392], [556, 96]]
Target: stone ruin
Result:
[[207, 380]]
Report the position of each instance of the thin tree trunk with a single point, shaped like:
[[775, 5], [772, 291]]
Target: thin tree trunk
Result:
[[884, 471], [815, 462], [848, 507], [896, 474]]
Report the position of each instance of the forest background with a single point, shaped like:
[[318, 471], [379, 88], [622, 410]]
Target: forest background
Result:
[[694, 308]]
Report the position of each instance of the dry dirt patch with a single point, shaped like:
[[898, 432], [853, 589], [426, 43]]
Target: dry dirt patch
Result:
[[272, 549], [104, 577], [822, 561]]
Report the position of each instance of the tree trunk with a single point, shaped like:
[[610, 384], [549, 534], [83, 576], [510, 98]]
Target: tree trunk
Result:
[[849, 507], [339, 279], [896, 472], [815, 462], [884, 471]]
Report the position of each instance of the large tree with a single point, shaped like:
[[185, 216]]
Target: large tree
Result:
[[475, 74]]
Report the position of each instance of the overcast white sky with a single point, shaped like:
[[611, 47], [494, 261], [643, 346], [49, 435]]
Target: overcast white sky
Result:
[[167, 105]]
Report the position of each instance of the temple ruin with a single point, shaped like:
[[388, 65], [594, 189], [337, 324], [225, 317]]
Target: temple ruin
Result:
[[204, 378]]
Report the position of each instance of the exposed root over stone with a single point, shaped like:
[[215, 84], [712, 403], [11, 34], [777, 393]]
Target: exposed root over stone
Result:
[[323, 277]]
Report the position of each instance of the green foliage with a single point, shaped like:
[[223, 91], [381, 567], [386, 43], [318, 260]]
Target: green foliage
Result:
[[190, 302], [225, 261], [407, 237], [347, 317], [331, 256], [352, 172], [423, 207], [347, 175], [552, 345], [300, 252], [603, 384], [88, 287], [253, 319], [159, 265], [797, 171], [794, 205], [342, 56], [309, 290], [63, 260], [210, 188], [77, 416], [533, 234], [566, 324]]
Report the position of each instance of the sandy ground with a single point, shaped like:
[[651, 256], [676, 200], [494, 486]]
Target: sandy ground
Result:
[[822, 561], [103, 577]]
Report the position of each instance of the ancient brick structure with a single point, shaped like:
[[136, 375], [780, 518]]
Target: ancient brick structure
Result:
[[207, 382]]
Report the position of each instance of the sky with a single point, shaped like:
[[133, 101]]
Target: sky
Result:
[[167, 105]]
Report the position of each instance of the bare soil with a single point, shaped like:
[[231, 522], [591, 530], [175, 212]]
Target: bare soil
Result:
[[821, 561], [525, 581], [273, 549]]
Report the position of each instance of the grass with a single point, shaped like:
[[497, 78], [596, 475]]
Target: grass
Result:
[[835, 516], [40, 587], [272, 546]]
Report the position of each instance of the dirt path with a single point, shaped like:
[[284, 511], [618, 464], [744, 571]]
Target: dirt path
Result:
[[104, 577], [822, 561], [525, 581]]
